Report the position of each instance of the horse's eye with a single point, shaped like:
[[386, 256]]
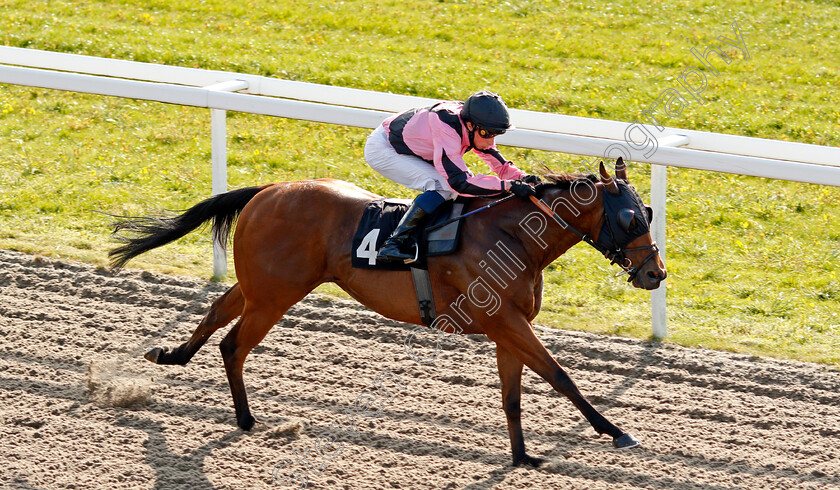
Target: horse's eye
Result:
[[625, 219]]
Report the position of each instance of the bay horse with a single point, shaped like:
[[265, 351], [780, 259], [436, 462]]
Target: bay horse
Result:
[[292, 236]]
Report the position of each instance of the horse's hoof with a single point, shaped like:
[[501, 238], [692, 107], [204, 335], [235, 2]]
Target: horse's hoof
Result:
[[529, 461], [153, 354], [626, 441], [246, 422]]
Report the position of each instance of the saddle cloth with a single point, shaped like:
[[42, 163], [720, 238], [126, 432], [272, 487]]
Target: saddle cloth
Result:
[[382, 216]]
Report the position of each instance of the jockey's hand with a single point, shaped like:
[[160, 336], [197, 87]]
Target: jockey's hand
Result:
[[521, 189], [531, 179]]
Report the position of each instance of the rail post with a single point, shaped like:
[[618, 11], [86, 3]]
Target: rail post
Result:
[[658, 195], [658, 297], [218, 164]]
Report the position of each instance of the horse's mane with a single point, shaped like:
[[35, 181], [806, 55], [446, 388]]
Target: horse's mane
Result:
[[562, 180]]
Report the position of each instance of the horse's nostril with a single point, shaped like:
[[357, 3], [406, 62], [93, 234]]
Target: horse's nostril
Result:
[[657, 274]]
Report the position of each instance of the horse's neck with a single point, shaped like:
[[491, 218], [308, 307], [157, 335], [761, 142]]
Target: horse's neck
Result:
[[543, 238]]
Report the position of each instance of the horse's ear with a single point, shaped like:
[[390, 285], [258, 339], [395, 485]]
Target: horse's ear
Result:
[[621, 170], [605, 177], [607, 180]]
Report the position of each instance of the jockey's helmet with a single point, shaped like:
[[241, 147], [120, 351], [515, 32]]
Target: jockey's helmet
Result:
[[487, 110]]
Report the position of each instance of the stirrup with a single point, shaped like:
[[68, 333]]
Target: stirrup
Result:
[[416, 255], [397, 260]]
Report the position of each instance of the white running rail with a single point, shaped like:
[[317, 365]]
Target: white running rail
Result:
[[224, 91]]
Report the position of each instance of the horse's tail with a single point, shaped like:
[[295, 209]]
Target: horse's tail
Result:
[[148, 232]]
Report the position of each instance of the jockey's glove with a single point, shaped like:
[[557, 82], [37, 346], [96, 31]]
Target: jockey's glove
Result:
[[531, 179], [521, 189]]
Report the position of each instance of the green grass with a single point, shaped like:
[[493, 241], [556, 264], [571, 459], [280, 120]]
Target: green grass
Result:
[[753, 263]]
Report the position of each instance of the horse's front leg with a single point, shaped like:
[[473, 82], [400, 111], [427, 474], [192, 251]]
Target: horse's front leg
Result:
[[249, 331], [510, 373], [516, 335]]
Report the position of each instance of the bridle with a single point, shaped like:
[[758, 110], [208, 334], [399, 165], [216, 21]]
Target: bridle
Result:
[[614, 252], [616, 255]]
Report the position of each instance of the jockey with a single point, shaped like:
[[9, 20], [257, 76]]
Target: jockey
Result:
[[423, 149]]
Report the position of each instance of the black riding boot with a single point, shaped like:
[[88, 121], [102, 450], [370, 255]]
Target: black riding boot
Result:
[[416, 214]]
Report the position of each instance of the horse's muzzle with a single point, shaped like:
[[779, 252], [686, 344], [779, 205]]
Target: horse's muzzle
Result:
[[651, 279]]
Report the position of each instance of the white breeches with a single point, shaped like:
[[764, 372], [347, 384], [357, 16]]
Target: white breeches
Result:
[[408, 170]]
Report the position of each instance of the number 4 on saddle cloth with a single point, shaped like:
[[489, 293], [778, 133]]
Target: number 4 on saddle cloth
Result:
[[382, 216]]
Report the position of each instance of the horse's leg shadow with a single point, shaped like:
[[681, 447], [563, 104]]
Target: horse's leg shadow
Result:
[[495, 479], [168, 465], [646, 358]]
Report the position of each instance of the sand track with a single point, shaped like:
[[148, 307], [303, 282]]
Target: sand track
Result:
[[80, 408]]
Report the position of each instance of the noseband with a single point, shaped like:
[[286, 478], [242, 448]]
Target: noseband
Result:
[[614, 252]]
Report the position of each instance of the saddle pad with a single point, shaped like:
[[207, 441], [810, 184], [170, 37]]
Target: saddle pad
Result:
[[382, 216]]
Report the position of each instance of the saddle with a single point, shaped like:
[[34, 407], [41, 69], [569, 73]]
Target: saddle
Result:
[[382, 216], [441, 236]]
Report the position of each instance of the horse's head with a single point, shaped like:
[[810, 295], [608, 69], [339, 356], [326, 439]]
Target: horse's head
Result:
[[607, 214], [623, 233]]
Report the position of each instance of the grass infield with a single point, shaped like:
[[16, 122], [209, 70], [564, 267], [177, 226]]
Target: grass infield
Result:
[[753, 263]]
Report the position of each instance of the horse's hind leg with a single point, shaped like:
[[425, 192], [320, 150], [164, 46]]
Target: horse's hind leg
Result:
[[257, 319], [222, 311]]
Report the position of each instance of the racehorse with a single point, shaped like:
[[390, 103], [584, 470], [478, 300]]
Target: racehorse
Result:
[[292, 236]]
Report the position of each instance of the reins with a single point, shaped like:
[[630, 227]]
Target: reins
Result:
[[557, 219], [452, 220], [615, 256]]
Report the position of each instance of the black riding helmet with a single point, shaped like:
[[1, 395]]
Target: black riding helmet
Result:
[[487, 110]]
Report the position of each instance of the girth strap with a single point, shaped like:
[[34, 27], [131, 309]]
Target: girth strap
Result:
[[425, 300]]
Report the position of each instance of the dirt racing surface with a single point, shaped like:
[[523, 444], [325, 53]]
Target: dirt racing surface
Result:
[[81, 408]]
